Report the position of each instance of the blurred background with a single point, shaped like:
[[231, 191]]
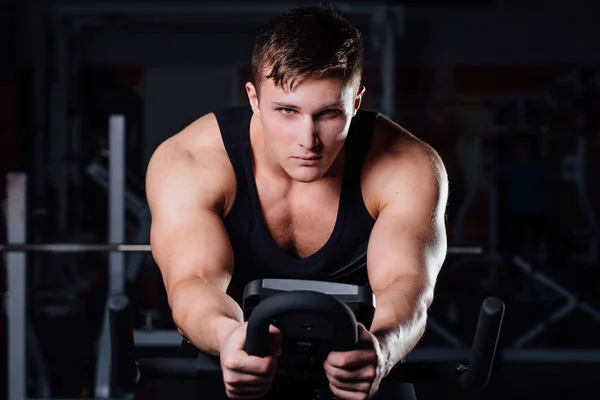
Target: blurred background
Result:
[[507, 91]]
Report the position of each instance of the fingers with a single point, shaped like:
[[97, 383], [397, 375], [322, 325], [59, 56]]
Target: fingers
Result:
[[366, 373], [352, 359], [241, 362], [275, 340], [245, 376], [351, 384], [364, 335], [247, 392], [348, 394], [353, 374]]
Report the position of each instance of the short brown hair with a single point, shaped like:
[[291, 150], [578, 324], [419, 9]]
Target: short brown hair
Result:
[[308, 42]]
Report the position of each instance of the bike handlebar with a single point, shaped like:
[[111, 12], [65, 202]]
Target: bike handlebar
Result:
[[300, 301], [130, 372]]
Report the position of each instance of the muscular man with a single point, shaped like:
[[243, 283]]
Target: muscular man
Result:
[[301, 184]]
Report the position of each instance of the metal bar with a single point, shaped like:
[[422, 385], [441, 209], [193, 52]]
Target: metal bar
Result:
[[466, 250], [73, 248], [588, 208], [510, 355], [126, 9], [135, 261], [467, 204], [39, 109], [116, 207], [42, 386], [16, 270], [116, 228], [541, 326], [494, 268], [125, 248], [552, 355], [160, 338], [594, 313], [60, 126], [445, 334], [545, 280], [571, 304]]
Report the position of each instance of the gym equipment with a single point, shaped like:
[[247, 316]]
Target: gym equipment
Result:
[[73, 248], [486, 158], [574, 171], [571, 304], [135, 206], [304, 348], [359, 299], [316, 316]]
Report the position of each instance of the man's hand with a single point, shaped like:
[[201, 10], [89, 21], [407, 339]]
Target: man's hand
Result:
[[248, 377], [356, 374]]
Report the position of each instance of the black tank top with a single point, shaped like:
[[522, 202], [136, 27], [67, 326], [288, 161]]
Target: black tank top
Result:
[[257, 256]]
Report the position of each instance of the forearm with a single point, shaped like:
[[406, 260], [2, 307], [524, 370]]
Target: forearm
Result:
[[204, 314], [399, 321]]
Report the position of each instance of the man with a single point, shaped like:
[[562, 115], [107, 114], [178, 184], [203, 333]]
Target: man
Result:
[[299, 185]]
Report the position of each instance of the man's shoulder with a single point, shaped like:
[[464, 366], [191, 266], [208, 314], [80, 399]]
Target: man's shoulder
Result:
[[399, 160], [202, 139], [196, 154], [206, 134], [394, 143], [201, 135]]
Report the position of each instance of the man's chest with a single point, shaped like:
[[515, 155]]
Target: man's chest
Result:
[[301, 221]]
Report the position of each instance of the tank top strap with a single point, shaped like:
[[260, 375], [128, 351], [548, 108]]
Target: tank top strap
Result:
[[234, 124], [358, 142]]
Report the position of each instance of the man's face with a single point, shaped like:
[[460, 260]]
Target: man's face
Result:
[[306, 127]]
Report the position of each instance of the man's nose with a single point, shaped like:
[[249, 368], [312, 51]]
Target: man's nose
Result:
[[308, 137]]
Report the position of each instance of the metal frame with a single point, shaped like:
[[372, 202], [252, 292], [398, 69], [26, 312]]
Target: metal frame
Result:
[[59, 120], [573, 171], [571, 304], [16, 297], [509, 355], [39, 110], [116, 226]]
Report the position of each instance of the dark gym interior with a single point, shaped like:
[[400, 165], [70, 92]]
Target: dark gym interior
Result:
[[506, 91]]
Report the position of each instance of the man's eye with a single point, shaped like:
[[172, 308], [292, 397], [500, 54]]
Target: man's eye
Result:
[[287, 111], [329, 113]]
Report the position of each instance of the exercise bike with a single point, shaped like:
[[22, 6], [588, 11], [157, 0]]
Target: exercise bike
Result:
[[314, 318]]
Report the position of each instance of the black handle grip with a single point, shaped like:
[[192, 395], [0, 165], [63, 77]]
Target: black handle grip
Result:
[[123, 365], [340, 315], [484, 344]]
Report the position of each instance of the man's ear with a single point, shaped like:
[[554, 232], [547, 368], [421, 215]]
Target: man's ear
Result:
[[358, 99], [253, 97]]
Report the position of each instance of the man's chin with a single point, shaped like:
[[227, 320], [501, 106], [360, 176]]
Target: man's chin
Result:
[[306, 175]]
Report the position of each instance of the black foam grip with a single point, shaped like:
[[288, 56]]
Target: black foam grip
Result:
[[484, 344], [123, 365], [335, 311]]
